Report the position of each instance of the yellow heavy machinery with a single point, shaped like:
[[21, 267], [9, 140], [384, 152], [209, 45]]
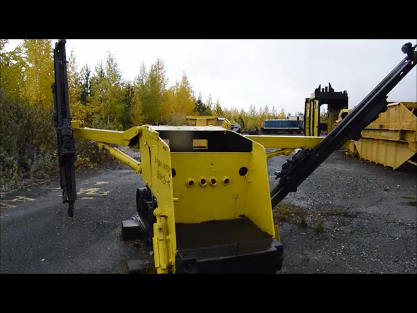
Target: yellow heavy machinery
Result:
[[390, 140], [342, 114], [208, 120], [207, 205], [336, 101]]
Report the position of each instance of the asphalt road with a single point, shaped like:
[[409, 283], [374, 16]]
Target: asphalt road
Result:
[[372, 231], [37, 236]]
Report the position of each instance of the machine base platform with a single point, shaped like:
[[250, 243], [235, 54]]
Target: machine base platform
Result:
[[228, 246]]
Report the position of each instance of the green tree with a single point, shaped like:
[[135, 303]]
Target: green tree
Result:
[[185, 95], [74, 88], [324, 116], [178, 102], [139, 93], [200, 108], [281, 114], [274, 113], [152, 97], [218, 111], [127, 100], [113, 84], [95, 113], [242, 119], [252, 117], [11, 70], [38, 71], [85, 81], [209, 103], [106, 106]]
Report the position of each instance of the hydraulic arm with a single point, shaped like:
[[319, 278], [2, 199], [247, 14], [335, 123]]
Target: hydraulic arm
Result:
[[62, 118], [306, 161]]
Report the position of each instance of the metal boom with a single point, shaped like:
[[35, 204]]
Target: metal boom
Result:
[[62, 118]]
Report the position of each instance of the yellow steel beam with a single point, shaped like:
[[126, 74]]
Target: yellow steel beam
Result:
[[286, 142], [132, 163], [278, 153], [122, 138], [289, 142]]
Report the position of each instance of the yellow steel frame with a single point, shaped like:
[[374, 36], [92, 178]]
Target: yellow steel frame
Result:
[[132, 163], [340, 117], [208, 120], [279, 152], [289, 142], [316, 119], [229, 196], [122, 138], [312, 117], [156, 172]]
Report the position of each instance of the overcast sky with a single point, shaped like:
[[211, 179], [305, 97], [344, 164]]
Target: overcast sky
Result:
[[280, 73]]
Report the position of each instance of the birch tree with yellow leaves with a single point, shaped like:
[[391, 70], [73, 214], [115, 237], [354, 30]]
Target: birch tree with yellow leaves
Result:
[[38, 71]]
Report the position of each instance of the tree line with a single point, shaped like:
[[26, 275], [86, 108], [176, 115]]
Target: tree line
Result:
[[100, 96]]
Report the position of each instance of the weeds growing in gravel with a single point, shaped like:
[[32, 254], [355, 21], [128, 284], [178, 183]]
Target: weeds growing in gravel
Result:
[[319, 228], [303, 221], [284, 213]]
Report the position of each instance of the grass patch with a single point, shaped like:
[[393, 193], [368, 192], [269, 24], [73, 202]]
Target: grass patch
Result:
[[284, 213], [303, 221], [409, 197], [319, 228], [124, 269]]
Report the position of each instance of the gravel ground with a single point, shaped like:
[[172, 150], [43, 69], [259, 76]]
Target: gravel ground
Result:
[[367, 214]]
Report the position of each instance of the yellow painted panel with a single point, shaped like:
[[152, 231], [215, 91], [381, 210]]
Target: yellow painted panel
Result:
[[258, 203], [390, 140], [307, 122], [398, 116], [316, 119], [205, 202], [156, 157], [387, 153]]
